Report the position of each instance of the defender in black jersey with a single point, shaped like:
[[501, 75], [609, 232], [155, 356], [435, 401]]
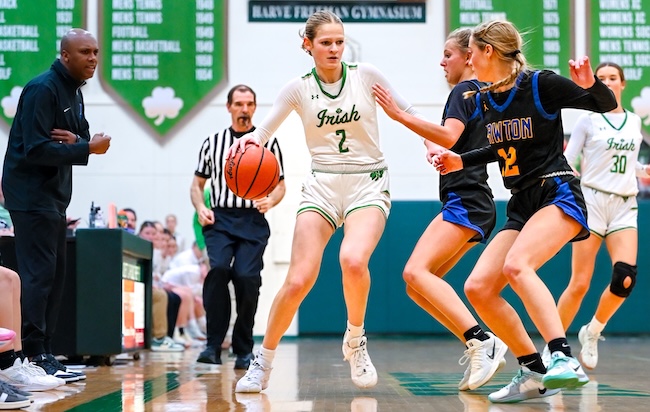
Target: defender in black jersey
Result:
[[468, 214], [521, 111]]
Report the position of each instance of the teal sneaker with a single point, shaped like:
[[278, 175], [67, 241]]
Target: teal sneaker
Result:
[[564, 372], [525, 385]]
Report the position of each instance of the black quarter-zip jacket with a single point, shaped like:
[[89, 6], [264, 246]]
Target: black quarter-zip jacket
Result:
[[37, 172]]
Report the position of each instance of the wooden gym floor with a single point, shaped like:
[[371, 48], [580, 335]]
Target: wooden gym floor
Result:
[[415, 374]]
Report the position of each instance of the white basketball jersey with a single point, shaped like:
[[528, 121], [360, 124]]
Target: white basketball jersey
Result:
[[340, 119], [610, 151]]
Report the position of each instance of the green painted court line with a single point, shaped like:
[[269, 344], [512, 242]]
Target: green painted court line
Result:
[[445, 384], [113, 401]]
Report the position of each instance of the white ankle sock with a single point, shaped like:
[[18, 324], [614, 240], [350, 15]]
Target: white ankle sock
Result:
[[265, 357], [595, 327], [354, 331]]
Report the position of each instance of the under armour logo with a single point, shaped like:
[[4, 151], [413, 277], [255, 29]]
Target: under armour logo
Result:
[[314, 96]]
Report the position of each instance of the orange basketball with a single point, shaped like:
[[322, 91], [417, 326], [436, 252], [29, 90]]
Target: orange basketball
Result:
[[252, 174]]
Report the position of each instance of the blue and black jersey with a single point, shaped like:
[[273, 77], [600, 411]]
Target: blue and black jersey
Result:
[[473, 137], [524, 124]]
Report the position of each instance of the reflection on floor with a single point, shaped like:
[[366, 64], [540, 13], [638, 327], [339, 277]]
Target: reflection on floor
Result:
[[415, 374]]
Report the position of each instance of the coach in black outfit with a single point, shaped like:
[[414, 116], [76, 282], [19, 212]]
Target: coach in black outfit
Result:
[[49, 134], [236, 234]]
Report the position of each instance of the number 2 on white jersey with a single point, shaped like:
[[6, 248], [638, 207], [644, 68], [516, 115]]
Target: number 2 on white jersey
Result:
[[342, 149]]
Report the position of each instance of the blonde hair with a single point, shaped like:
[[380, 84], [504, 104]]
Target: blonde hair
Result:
[[314, 22], [461, 38], [506, 42]]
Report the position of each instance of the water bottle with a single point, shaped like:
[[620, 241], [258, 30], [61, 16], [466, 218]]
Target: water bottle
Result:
[[91, 217]]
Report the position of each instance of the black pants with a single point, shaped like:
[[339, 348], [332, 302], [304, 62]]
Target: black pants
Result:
[[40, 239], [173, 305], [235, 244]]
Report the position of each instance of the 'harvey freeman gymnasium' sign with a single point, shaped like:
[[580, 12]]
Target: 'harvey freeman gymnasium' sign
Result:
[[348, 11]]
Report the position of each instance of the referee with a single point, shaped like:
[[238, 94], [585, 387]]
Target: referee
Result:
[[236, 234]]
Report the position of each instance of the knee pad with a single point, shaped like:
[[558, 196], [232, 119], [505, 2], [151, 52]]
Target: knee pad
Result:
[[620, 273]]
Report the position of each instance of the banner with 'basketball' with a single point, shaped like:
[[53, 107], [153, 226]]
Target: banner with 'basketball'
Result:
[[30, 33]]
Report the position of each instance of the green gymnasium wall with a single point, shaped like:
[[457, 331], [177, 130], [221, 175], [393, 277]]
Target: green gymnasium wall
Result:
[[390, 311]]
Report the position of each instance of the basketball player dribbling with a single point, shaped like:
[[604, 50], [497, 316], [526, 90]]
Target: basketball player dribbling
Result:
[[348, 185]]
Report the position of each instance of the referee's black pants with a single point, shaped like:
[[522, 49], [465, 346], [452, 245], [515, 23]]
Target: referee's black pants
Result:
[[235, 243], [40, 239]]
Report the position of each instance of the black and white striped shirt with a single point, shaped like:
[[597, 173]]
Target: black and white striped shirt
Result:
[[212, 157]]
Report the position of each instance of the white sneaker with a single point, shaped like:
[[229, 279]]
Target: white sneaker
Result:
[[546, 356], [22, 378], [564, 372], [485, 359], [463, 385], [166, 344], [362, 371], [192, 329], [589, 351], [525, 385], [255, 380], [38, 371]]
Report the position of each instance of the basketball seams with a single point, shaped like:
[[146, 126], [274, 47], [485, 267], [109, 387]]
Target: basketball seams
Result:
[[272, 183], [257, 171], [250, 175]]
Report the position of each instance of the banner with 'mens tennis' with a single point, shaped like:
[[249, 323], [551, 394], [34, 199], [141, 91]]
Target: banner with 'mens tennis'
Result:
[[161, 58]]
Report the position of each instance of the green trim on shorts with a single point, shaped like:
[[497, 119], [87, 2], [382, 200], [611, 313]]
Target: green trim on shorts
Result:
[[623, 228], [350, 172], [597, 234], [363, 207], [320, 212]]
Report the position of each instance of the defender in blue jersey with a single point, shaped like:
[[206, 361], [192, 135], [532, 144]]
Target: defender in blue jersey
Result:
[[521, 111], [468, 214]]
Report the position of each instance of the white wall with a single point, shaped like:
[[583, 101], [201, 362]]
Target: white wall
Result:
[[153, 175]]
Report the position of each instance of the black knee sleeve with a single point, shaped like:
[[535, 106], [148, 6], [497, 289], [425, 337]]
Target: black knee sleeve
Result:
[[620, 273]]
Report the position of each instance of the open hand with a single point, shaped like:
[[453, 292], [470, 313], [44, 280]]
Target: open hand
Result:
[[581, 72]]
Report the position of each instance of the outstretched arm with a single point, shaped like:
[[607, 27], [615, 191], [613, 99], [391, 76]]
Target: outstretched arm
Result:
[[445, 136]]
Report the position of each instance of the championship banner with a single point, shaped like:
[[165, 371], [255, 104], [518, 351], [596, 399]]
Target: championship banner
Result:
[[545, 25], [162, 58], [620, 33], [30, 35]]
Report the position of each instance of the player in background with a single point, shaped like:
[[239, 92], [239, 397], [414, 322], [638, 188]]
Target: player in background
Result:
[[609, 144]]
